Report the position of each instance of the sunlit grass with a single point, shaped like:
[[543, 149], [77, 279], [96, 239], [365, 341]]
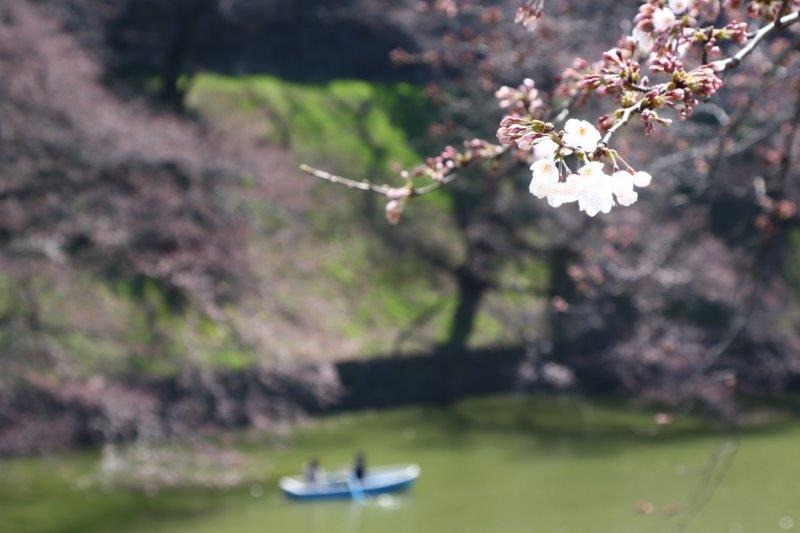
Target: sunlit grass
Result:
[[346, 125]]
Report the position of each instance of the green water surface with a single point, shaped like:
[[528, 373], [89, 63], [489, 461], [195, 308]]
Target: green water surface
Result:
[[493, 464]]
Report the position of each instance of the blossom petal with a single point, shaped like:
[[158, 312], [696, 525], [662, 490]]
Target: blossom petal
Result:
[[642, 179]]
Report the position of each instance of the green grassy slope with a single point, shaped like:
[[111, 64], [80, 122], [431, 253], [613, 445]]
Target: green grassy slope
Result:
[[373, 277], [348, 125], [331, 278]]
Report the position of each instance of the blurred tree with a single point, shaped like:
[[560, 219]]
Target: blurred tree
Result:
[[673, 299], [106, 183]]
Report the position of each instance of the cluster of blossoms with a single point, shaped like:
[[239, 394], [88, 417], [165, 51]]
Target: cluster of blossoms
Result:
[[767, 10], [647, 74], [593, 189], [664, 32], [440, 169], [620, 75], [617, 71], [450, 159], [676, 27], [522, 131], [524, 99]]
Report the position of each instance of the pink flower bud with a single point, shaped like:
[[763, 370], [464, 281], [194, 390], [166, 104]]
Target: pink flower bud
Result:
[[394, 211]]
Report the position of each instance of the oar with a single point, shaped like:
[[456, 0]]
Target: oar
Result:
[[356, 490]]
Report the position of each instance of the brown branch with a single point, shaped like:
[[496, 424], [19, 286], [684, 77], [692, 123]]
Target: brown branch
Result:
[[627, 114], [744, 111], [736, 59]]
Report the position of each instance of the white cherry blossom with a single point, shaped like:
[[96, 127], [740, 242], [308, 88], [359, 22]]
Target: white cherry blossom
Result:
[[678, 6], [545, 177], [596, 195], [566, 191], [394, 211], [593, 189], [644, 40], [592, 170], [622, 186], [581, 134], [544, 148], [642, 179], [663, 19]]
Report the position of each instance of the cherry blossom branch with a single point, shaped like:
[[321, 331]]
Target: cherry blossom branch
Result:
[[779, 24], [441, 180], [662, 35], [627, 115], [718, 66], [441, 170], [744, 110]]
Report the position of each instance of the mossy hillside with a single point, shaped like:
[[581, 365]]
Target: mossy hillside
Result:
[[380, 285], [345, 125], [375, 282], [91, 326], [346, 284]]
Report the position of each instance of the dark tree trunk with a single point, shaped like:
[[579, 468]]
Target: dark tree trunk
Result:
[[470, 295], [180, 49], [561, 287]]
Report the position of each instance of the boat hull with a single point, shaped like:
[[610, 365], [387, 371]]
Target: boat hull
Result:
[[383, 480]]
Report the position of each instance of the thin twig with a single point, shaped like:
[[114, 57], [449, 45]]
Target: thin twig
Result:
[[364, 185], [426, 189]]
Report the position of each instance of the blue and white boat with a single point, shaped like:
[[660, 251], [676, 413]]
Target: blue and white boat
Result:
[[343, 484]]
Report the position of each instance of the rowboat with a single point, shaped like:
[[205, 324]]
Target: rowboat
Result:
[[343, 484]]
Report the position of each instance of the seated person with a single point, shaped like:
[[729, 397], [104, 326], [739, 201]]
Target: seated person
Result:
[[312, 473], [360, 466]]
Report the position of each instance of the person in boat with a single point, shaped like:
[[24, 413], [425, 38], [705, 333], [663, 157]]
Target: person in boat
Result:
[[312, 473], [360, 466]]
